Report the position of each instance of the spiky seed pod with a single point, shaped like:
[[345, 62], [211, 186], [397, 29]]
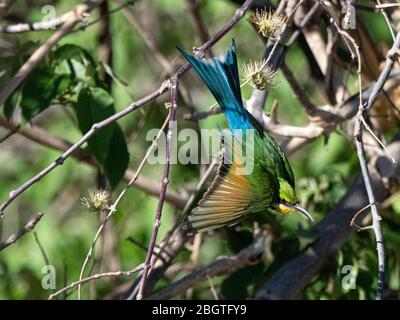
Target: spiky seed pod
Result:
[[96, 200], [259, 74], [267, 22]]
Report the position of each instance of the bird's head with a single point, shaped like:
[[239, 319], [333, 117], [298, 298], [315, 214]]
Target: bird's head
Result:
[[288, 202]]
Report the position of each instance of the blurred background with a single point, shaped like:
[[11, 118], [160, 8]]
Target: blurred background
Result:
[[112, 55]]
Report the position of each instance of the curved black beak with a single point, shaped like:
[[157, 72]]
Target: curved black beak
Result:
[[303, 212]]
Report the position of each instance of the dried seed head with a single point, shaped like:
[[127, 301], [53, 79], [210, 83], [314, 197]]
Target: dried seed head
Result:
[[259, 75], [267, 22], [96, 200]]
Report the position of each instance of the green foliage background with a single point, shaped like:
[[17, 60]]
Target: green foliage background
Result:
[[324, 169]]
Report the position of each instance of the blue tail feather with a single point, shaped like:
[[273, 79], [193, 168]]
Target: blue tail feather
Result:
[[221, 76]]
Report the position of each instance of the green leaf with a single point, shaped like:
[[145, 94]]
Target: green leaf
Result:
[[39, 90], [11, 103], [94, 105], [9, 65], [396, 203], [73, 52], [108, 144], [75, 61], [117, 159], [108, 70]]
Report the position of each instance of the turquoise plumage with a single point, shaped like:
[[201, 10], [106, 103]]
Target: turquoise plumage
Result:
[[232, 195]]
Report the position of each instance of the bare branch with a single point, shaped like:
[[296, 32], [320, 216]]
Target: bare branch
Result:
[[16, 236], [35, 26], [358, 129], [135, 105], [164, 185], [97, 276], [332, 231], [43, 138], [198, 24], [52, 23], [73, 18], [224, 265], [113, 207]]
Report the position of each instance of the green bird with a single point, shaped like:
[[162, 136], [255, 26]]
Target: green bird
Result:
[[233, 195]]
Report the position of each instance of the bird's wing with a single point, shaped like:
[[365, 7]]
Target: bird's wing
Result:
[[228, 199]]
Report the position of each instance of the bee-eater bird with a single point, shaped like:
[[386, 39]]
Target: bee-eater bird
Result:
[[232, 196]]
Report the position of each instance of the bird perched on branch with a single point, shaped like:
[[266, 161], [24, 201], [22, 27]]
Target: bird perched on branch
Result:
[[234, 193]]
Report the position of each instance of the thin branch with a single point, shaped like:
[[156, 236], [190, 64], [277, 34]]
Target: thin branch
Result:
[[387, 5], [283, 31], [198, 24], [353, 221], [302, 24], [135, 105], [16, 236], [41, 248], [170, 247], [358, 135], [143, 247], [90, 252], [377, 139], [176, 238], [43, 138], [54, 23], [164, 185], [113, 207], [35, 26], [225, 265], [74, 17], [332, 232], [385, 15], [315, 114], [10, 133], [194, 259], [105, 41], [363, 111], [97, 276], [150, 42], [212, 288]]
